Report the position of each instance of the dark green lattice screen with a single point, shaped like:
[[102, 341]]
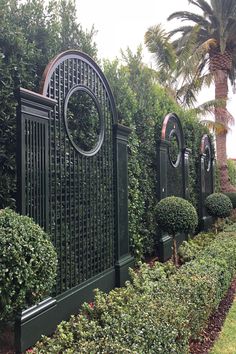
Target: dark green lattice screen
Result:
[[172, 158], [206, 178], [72, 179], [172, 171], [81, 174]]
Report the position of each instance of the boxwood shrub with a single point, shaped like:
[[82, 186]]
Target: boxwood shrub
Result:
[[27, 263], [189, 250], [159, 311], [218, 205], [176, 215], [232, 197]]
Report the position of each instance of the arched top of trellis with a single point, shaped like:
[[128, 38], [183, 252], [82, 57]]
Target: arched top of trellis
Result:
[[75, 56], [172, 134], [206, 144], [206, 151], [171, 125]]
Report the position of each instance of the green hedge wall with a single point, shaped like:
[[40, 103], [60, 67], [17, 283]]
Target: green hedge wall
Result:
[[142, 104], [32, 33]]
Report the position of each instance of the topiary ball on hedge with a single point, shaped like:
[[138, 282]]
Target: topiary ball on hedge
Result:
[[232, 197], [218, 205], [175, 214], [28, 263]]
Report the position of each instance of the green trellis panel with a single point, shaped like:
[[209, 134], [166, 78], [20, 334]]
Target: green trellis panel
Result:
[[206, 180], [73, 180], [173, 172]]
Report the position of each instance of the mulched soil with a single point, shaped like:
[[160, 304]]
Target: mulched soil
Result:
[[216, 321], [208, 336]]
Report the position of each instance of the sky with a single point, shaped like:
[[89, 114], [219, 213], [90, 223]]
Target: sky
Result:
[[123, 23]]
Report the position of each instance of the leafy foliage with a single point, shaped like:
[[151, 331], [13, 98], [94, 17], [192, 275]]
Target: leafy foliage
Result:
[[27, 263], [142, 105], [218, 205], [174, 214], [31, 35], [232, 171], [159, 311], [190, 249], [232, 197]]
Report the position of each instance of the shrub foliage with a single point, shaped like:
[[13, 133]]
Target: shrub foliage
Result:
[[175, 215], [142, 104], [159, 311], [27, 263], [218, 205], [232, 197]]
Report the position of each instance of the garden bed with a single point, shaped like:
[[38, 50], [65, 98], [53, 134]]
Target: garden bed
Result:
[[215, 323], [161, 310]]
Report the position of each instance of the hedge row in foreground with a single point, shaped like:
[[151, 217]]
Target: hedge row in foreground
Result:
[[159, 311]]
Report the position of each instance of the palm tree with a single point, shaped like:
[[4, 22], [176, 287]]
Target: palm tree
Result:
[[214, 51]]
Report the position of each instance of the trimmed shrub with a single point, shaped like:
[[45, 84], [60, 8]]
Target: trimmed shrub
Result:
[[189, 250], [174, 215], [218, 205], [232, 197], [27, 263]]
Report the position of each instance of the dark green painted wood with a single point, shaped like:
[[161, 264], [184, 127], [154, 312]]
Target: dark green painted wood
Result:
[[206, 180], [84, 192], [123, 257], [172, 178], [186, 153], [32, 155], [43, 318]]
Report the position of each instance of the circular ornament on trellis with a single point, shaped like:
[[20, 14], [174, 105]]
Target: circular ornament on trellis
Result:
[[206, 151], [207, 160], [84, 120], [172, 133], [174, 148], [85, 110]]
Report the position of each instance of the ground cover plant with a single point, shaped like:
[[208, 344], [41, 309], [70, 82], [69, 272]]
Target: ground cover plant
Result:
[[159, 311]]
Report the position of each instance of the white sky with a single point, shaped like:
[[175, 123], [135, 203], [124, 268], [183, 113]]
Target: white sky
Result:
[[123, 23]]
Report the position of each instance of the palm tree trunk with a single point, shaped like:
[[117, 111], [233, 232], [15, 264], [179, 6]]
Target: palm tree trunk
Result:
[[221, 92]]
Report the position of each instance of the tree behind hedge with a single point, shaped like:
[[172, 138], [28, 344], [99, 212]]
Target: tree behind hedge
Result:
[[31, 35]]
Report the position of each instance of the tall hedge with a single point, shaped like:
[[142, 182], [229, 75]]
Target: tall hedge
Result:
[[142, 104], [32, 33]]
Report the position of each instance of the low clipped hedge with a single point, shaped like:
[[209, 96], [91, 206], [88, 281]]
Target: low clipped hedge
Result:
[[28, 263], [159, 311], [189, 249]]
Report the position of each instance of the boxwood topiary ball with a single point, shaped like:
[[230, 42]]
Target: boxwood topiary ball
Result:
[[175, 214], [28, 263], [218, 205]]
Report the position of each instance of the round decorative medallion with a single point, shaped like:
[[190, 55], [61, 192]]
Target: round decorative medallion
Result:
[[174, 148], [207, 160], [83, 120]]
